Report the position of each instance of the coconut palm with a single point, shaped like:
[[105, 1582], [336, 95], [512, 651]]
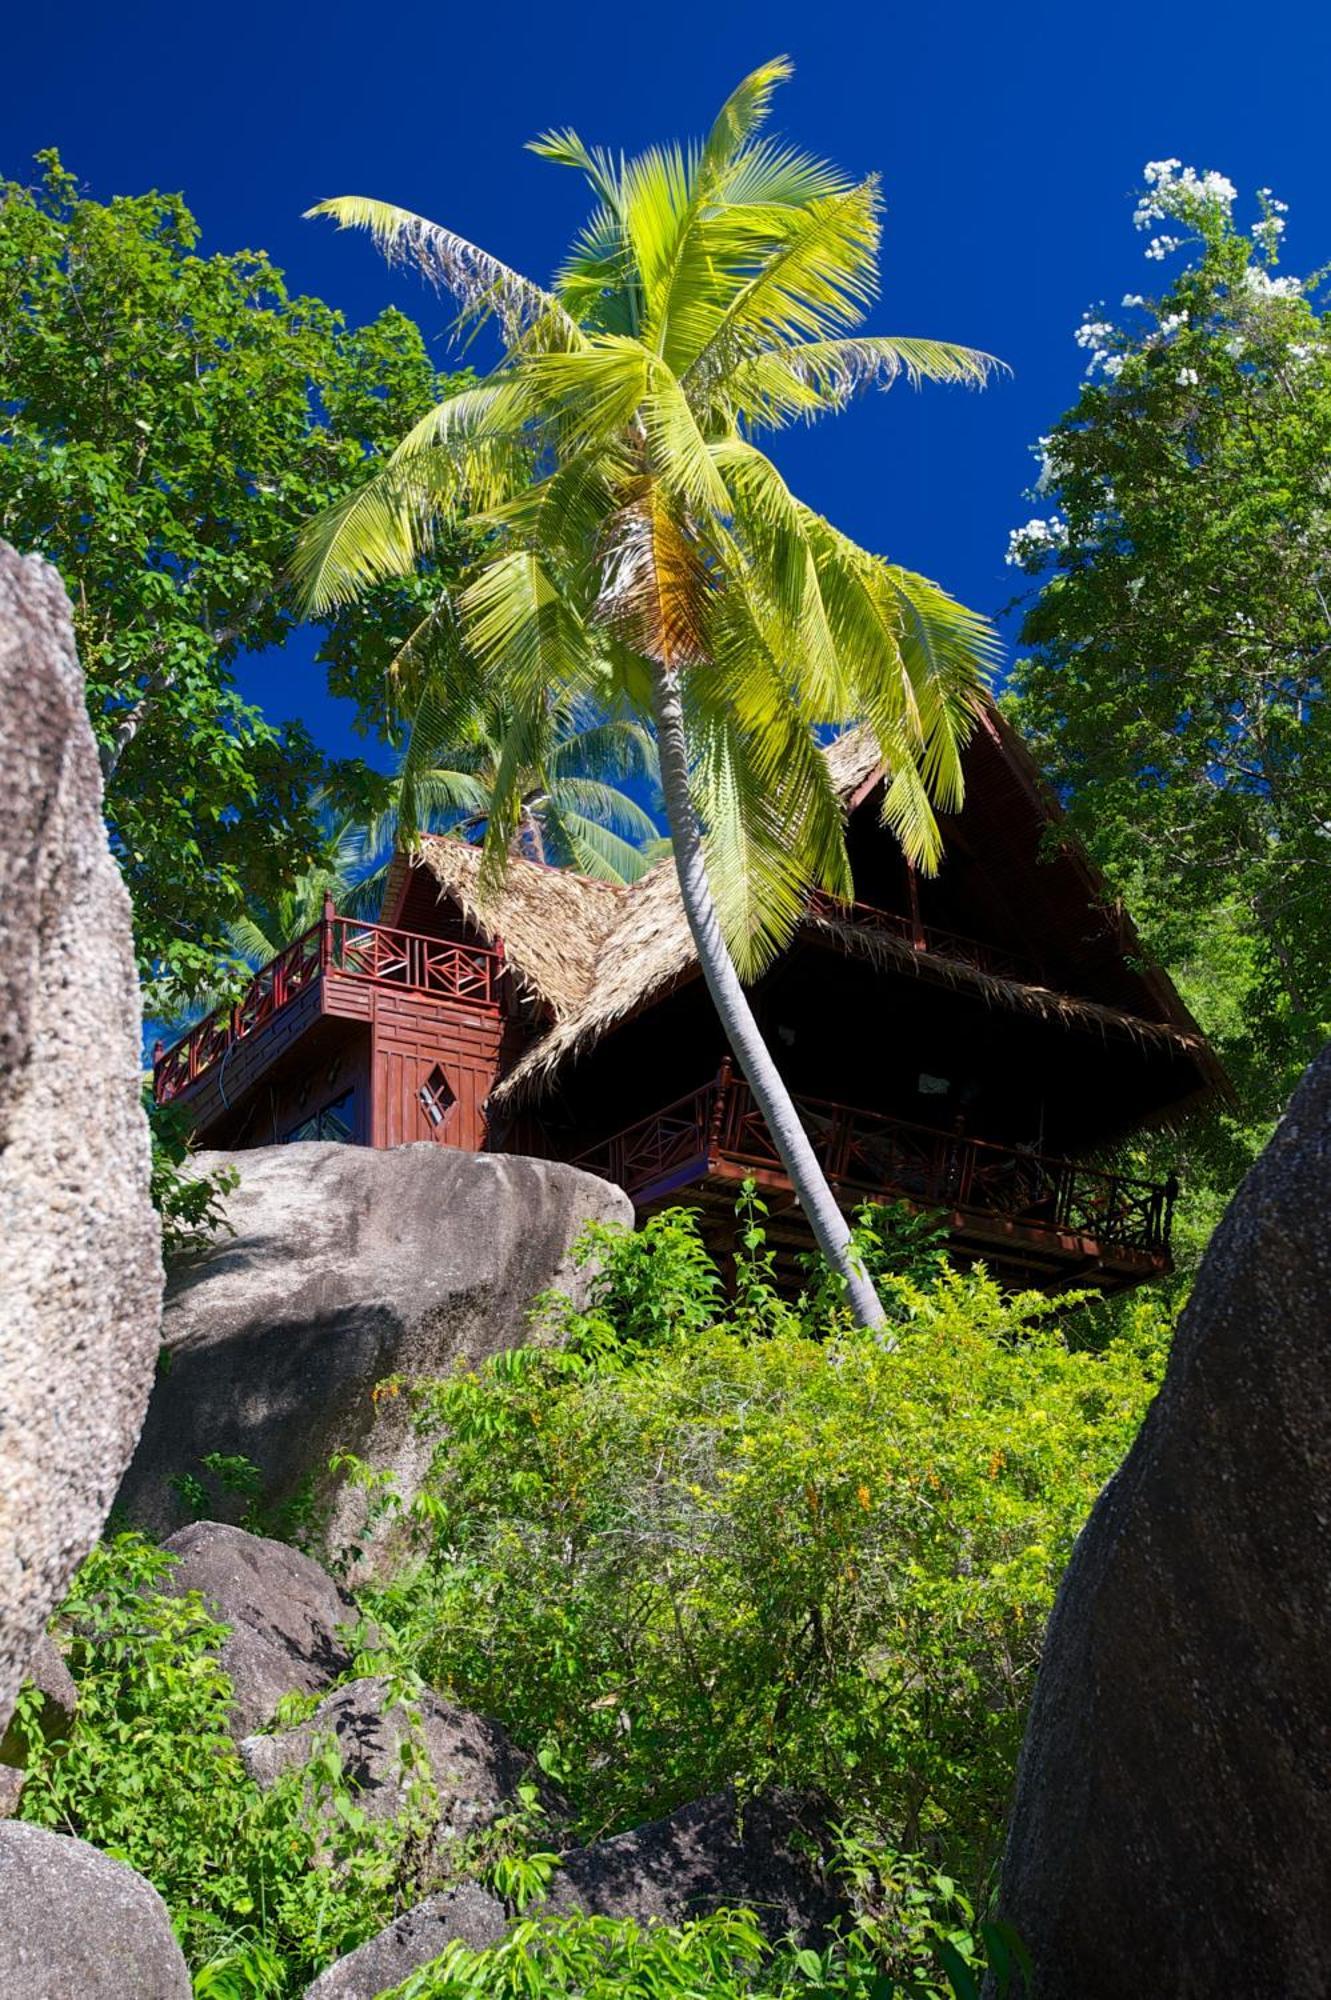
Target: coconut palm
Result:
[[569, 812], [636, 548]]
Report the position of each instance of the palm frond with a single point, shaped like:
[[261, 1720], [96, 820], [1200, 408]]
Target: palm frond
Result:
[[590, 848], [618, 746], [377, 531], [523, 633], [819, 280], [596, 800], [742, 114], [481, 283]]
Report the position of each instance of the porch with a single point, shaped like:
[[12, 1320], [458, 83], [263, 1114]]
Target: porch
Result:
[[1033, 1218]]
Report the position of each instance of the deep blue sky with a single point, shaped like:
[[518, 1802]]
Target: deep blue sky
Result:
[[1009, 138]]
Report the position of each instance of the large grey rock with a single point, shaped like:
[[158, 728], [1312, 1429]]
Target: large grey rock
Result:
[[1172, 1826], [475, 1767], [710, 1855], [348, 1265], [467, 1912], [284, 1612], [80, 1264], [78, 1926]]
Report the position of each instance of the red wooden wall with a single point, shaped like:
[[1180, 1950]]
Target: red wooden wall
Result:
[[414, 1036]]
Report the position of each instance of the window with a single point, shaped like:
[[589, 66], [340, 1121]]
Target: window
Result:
[[437, 1096], [335, 1122]]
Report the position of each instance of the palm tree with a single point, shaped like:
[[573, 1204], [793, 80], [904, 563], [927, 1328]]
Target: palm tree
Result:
[[636, 548], [569, 811]]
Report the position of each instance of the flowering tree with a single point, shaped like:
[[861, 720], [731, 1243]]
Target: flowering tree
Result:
[[1178, 647]]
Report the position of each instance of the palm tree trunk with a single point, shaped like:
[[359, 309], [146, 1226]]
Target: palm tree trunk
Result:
[[829, 1225]]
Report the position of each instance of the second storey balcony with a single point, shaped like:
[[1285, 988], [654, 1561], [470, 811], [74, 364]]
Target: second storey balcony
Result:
[[338, 967], [1033, 1218]]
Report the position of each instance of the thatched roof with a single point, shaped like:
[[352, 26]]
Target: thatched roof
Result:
[[550, 920], [592, 954]]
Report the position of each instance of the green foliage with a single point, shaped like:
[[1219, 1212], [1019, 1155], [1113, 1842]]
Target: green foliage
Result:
[[167, 420], [689, 1549], [722, 1957], [189, 1205], [263, 1887], [628, 533], [569, 810], [1175, 684]]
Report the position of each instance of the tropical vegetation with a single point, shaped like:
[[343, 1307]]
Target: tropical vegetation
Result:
[[1174, 679], [681, 1541], [167, 421], [633, 547]]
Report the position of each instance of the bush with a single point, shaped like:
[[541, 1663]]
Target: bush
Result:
[[263, 1887], [697, 1557]]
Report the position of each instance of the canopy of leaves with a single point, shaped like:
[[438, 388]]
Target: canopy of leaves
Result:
[[167, 420], [1175, 683], [630, 526]]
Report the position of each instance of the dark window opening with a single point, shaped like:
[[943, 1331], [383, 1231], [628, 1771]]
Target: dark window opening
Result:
[[335, 1122]]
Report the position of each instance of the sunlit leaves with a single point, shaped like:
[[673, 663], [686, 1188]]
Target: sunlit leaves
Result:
[[717, 289]]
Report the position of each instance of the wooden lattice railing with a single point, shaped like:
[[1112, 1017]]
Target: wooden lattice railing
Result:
[[866, 1154], [466, 973]]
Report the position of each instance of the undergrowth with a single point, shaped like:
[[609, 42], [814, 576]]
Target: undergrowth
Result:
[[683, 1540]]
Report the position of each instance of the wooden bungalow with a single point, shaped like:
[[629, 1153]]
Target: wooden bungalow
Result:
[[976, 1044]]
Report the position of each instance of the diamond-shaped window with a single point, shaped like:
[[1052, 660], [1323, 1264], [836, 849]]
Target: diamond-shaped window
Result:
[[437, 1096]]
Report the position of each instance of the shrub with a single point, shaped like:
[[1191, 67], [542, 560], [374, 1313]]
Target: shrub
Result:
[[263, 1887], [697, 1556]]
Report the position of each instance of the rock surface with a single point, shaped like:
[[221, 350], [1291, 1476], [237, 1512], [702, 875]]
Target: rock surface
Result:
[[705, 1857], [467, 1912], [283, 1610], [475, 1767], [1172, 1826], [79, 1926], [80, 1264], [348, 1265]]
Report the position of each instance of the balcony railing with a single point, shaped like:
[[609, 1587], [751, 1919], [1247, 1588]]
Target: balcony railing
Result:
[[921, 937], [868, 1155], [466, 973]]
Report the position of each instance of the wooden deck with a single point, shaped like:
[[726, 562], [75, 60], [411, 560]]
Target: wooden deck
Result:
[[1033, 1219]]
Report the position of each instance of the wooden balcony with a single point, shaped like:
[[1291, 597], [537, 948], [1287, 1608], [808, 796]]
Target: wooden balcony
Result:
[[336, 952], [1032, 1218]]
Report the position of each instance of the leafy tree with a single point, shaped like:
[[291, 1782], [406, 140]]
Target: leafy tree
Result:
[[639, 548], [1175, 682], [167, 421]]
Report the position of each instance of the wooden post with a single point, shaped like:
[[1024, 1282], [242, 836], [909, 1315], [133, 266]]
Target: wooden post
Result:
[[913, 893], [326, 933], [719, 1113]]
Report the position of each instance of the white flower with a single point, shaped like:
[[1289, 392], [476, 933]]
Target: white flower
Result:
[[1046, 450], [1160, 247], [1131, 299], [1179, 190], [1171, 323], [1266, 287], [1095, 334], [1039, 538], [1187, 378]]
